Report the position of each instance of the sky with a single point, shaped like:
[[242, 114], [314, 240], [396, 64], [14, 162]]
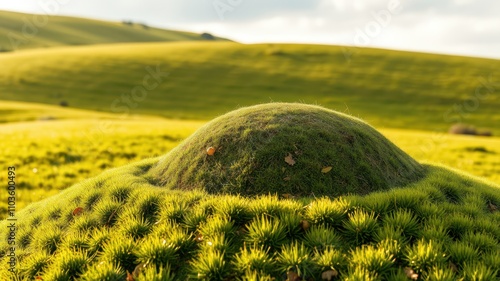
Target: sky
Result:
[[463, 27]]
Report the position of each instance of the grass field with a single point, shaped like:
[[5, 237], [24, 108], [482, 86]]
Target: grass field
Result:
[[72, 147], [27, 31], [444, 226], [206, 79]]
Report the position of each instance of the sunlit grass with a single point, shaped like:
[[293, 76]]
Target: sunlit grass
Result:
[[210, 244], [44, 146]]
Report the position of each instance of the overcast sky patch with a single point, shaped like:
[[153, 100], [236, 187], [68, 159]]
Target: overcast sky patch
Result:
[[463, 27]]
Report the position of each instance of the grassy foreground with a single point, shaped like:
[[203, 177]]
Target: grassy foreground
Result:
[[28, 31], [444, 226], [201, 80], [440, 228]]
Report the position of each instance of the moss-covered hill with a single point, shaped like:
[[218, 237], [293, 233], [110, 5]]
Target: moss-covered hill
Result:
[[442, 226], [286, 148]]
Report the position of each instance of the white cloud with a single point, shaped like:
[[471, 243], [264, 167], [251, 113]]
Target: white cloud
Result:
[[448, 26]]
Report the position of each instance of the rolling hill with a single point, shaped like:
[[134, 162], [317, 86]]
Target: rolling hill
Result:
[[27, 31], [54, 147], [201, 80], [125, 223]]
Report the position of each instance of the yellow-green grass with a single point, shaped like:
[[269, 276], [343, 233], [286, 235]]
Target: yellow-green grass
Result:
[[59, 149], [103, 227], [28, 31], [72, 145], [443, 226], [476, 155], [206, 79], [11, 111]]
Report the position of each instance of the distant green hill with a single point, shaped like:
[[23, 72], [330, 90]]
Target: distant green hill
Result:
[[205, 79], [26, 31]]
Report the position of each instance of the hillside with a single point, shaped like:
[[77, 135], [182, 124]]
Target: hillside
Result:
[[54, 147], [125, 223], [426, 92], [69, 31]]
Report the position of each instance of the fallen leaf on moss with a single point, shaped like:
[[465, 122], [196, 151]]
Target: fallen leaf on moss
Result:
[[199, 238], [138, 269], [129, 277], [211, 151], [326, 170], [241, 231], [408, 270], [305, 225], [492, 207], [292, 276], [411, 274], [453, 267], [329, 274], [78, 211], [289, 160]]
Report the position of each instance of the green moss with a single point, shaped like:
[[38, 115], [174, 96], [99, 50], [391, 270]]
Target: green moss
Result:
[[252, 144]]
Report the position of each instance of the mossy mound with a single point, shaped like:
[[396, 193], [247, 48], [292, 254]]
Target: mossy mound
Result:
[[286, 148]]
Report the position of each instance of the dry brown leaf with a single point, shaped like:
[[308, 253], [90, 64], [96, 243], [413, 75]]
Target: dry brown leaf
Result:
[[492, 207], [289, 160], [78, 211], [326, 170], [138, 269], [211, 151], [410, 273], [292, 276], [241, 231], [129, 277], [329, 274], [199, 238], [305, 225], [453, 267]]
